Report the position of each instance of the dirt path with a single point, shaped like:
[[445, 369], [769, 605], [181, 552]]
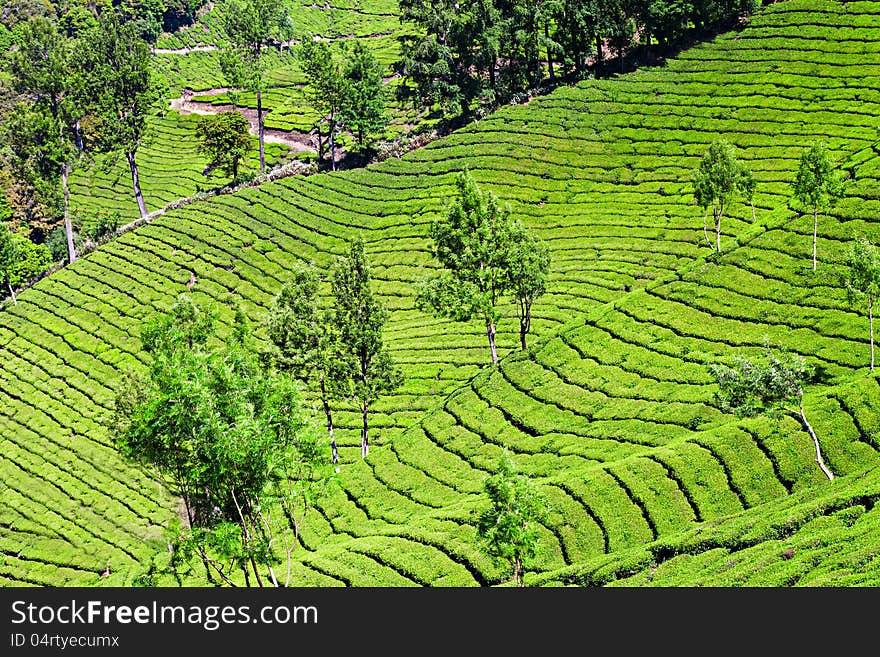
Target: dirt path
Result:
[[299, 142]]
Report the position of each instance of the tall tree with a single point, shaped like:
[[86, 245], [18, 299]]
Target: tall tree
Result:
[[452, 55], [230, 438], [21, 260], [359, 318], [225, 139], [863, 279], [125, 89], [305, 340], [507, 529], [717, 181], [769, 385], [327, 90], [816, 185], [363, 103], [250, 25], [40, 65], [528, 265], [8, 258], [472, 243]]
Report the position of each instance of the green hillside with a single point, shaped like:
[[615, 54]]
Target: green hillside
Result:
[[611, 412], [170, 165]]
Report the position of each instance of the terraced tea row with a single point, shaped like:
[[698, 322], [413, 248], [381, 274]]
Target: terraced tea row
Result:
[[814, 538], [612, 411], [170, 168]]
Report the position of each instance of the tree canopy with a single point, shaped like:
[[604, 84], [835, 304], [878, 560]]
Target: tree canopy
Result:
[[251, 26], [366, 369], [718, 180], [507, 529], [225, 140], [771, 384], [228, 436], [485, 254], [815, 185], [862, 279]]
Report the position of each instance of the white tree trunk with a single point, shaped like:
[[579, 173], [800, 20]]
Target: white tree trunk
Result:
[[871, 329], [815, 234], [68, 225], [261, 130], [809, 428], [490, 331]]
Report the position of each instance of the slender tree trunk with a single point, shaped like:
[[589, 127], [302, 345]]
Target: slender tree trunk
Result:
[[490, 331], [706, 227], [815, 233], [77, 134], [328, 413], [718, 233], [365, 430], [517, 571], [549, 53], [68, 225], [815, 442], [136, 182], [525, 322], [871, 328], [333, 142], [320, 145], [261, 130], [753, 212], [11, 291]]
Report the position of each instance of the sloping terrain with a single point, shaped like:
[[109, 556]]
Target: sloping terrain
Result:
[[612, 409]]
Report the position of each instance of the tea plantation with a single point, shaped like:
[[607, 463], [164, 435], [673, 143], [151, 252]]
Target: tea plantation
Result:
[[612, 410]]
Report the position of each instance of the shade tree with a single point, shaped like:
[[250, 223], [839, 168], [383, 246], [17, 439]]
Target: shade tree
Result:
[[816, 185], [718, 181], [771, 384], [862, 280]]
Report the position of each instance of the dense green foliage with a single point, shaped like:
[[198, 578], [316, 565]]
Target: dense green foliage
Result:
[[20, 260], [365, 369], [249, 25], [718, 180], [227, 436], [816, 185], [461, 53], [306, 342], [224, 140], [863, 279], [507, 527]]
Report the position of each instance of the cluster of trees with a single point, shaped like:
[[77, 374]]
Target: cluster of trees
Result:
[[149, 17], [461, 52], [338, 347], [223, 421], [229, 437], [721, 178], [78, 91], [345, 85], [20, 259], [486, 254], [773, 384]]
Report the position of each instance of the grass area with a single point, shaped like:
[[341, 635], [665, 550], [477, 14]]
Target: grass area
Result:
[[611, 411]]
